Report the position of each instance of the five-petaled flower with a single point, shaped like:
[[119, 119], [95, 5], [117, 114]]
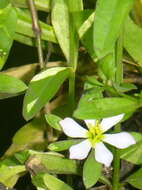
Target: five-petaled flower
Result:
[[94, 138]]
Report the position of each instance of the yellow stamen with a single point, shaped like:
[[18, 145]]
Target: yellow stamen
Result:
[[95, 134]]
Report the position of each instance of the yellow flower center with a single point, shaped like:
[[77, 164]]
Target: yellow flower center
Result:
[[95, 134]]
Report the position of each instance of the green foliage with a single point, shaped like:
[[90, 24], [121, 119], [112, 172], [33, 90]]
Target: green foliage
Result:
[[35, 99], [46, 181], [91, 171], [10, 86], [91, 69], [62, 145], [133, 154], [55, 164], [104, 107], [53, 121], [106, 31], [132, 42], [8, 22], [43, 5], [135, 179], [9, 174], [24, 27]]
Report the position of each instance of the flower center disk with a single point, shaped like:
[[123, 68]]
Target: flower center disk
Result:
[[95, 134]]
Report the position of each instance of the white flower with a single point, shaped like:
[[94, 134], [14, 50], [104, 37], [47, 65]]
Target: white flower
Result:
[[94, 138]]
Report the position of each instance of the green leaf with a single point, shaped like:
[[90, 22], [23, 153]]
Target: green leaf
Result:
[[9, 174], [22, 156], [54, 164], [84, 24], [73, 6], [24, 26], [65, 29], [53, 121], [135, 179], [3, 3], [8, 22], [33, 132], [91, 171], [92, 80], [42, 5], [61, 26], [137, 136], [10, 86], [63, 145], [132, 42], [124, 87], [132, 154], [109, 18], [104, 107], [105, 181], [46, 181], [35, 99], [107, 67]]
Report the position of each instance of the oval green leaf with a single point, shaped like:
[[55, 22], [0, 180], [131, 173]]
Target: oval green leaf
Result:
[[63, 145], [53, 121], [10, 86], [104, 107], [91, 171], [42, 88], [47, 181]]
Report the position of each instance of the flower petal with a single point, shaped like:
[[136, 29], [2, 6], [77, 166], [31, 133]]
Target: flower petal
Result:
[[103, 155], [90, 122], [72, 129], [109, 122], [80, 151], [120, 140]]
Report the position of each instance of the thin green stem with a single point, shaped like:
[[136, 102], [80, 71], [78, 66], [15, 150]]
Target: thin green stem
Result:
[[72, 91], [116, 172], [37, 31], [119, 61], [116, 165]]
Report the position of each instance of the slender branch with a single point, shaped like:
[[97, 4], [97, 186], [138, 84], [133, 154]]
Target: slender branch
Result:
[[37, 31]]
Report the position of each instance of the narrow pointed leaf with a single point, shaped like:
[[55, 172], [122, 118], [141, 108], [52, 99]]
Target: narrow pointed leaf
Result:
[[132, 42], [84, 25], [8, 22], [60, 21], [42, 5], [109, 18], [24, 26]]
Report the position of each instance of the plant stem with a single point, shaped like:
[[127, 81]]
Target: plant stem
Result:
[[72, 91], [116, 165], [116, 171], [37, 31]]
